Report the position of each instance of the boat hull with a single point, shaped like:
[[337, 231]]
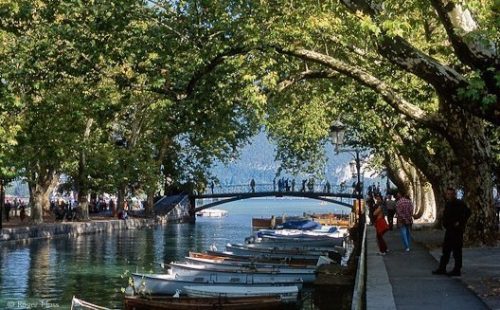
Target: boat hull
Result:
[[277, 252], [277, 275], [243, 264], [168, 284], [191, 303], [292, 242], [287, 294], [255, 258]]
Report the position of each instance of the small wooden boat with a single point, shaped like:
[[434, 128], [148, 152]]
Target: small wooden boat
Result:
[[341, 220], [300, 239], [169, 284], [245, 267], [258, 223], [204, 303], [260, 257], [277, 252], [287, 294], [183, 269], [242, 263], [80, 304], [212, 213]]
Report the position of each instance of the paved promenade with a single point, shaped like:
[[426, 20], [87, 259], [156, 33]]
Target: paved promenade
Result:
[[403, 280]]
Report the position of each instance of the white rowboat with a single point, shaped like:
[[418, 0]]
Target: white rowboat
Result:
[[286, 293], [168, 284]]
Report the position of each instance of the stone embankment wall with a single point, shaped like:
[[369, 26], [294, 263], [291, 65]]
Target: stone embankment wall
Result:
[[71, 229]]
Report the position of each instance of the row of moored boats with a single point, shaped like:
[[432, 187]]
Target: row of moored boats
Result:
[[268, 271]]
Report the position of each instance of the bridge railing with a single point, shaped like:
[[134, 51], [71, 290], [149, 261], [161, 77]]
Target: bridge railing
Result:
[[270, 187]]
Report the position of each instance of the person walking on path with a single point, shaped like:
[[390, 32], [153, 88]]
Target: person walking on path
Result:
[[455, 216], [22, 214], [390, 205], [381, 226], [370, 203], [7, 208], [404, 212]]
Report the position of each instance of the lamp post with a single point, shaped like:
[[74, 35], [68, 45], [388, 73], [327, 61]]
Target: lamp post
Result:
[[2, 201], [337, 132]]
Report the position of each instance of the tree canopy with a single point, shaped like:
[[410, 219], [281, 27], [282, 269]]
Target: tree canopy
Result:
[[126, 95]]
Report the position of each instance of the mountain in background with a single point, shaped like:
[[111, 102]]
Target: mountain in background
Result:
[[257, 161]]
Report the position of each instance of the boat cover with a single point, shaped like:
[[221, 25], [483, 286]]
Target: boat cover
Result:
[[301, 224]]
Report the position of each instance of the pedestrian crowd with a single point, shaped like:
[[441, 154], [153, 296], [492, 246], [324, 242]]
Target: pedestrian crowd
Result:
[[17, 205], [381, 213]]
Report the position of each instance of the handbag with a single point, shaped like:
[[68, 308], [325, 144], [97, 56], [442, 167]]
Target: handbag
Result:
[[381, 226]]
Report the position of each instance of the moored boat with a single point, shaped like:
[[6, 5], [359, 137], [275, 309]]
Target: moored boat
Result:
[[286, 293], [258, 223], [169, 284], [331, 219], [273, 251], [212, 213], [255, 258], [183, 269], [242, 263], [298, 238], [80, 304], [204, 303]]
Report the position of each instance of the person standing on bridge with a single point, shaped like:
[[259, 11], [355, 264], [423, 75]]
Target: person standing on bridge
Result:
[[212, 185], [252, 185], [303, 189]]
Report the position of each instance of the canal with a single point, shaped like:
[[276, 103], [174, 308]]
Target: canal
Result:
[[45, 274]]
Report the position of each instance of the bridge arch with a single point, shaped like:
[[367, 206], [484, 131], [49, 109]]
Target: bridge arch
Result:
[[227, 198]]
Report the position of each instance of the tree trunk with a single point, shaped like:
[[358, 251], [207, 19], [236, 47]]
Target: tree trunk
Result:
[[83, 204], [82, 181], [414, 184], [120, 199], [40, 194], [468, 140], [149, 210]]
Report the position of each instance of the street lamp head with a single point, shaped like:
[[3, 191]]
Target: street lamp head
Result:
[[352, 166], [337, 133]]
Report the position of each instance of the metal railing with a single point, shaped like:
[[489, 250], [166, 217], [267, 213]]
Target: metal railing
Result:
[[359, 291], [269, 187]]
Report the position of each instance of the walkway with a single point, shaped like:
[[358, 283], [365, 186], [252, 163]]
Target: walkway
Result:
[[403, 280]]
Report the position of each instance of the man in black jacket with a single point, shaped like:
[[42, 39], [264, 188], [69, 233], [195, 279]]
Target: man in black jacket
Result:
[[455, 217]]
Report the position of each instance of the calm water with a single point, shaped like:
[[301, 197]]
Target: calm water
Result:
[[47, 273]]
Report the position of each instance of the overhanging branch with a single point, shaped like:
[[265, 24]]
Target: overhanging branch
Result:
[[365, 78], [306, 75], [211, 65], [478, 55]]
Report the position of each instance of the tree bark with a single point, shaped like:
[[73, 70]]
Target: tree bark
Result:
[[445, 80], [40, 194], [149, 210], [120, 200], [82, 181], [466, 135], [414, 184]]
